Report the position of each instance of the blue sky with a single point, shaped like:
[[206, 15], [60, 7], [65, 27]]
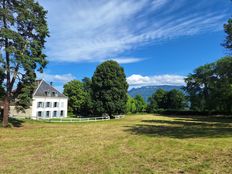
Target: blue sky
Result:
[[156, 41]]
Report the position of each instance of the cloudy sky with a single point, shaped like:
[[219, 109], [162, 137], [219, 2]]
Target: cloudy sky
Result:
[[156, 41]]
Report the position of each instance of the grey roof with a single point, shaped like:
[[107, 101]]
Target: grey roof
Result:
[[44, 87]]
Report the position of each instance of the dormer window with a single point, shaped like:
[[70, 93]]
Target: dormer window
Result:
[[47, 93], [54, 94]]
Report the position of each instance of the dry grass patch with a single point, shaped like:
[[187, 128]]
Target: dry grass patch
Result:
[[135, 144]]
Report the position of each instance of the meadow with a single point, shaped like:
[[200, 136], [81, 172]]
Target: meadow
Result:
[[134, 144]]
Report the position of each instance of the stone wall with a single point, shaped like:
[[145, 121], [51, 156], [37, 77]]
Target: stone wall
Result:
[[14, 113]]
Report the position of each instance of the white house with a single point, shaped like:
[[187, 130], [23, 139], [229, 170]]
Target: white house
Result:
[[47, 102]]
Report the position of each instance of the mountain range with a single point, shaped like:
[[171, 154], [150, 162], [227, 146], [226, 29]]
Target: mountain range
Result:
[[147, 91]]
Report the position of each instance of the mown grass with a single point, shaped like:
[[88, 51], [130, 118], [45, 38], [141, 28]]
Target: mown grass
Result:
[[134, 144]]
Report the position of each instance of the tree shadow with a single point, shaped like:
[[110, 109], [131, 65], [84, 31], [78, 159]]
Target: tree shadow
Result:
[[14, 122], [183, 128], [189, 123], [211, 118]]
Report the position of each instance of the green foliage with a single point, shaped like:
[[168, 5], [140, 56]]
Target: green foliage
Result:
[[141, 105], [228, 30], [76, 94], [87, 108], [22, 38], [176, 100], [166, 100], [109, 89], [210, 86], [131, 105], [147, 91], [157, 100]]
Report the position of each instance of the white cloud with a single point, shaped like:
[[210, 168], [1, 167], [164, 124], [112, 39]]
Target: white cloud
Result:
[[139, 80], [94, 30], [125, 60], [57, 78]]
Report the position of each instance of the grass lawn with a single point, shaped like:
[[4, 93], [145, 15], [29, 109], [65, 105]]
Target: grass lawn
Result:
[[134, 144]]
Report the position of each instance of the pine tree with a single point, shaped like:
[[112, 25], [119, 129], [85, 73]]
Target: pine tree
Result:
[[22, 38]]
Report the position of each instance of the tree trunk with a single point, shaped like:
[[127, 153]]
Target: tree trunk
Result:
[[6, 111]]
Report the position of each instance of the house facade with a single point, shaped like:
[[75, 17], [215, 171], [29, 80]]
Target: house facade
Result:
[[47, 102]]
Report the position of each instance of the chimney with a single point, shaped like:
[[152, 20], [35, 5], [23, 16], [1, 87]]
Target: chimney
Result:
[[51, 83]]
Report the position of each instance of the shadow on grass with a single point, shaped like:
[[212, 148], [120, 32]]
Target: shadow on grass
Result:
[[189, 123], [184, 128], [13, 122], [212, 119]]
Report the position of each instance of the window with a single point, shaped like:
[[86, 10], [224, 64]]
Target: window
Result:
[[55, 105], [54, 113], [62, 113], [48, 104], [39, 114], [48, 93], [48, 114], [40, 105], [54, 94]]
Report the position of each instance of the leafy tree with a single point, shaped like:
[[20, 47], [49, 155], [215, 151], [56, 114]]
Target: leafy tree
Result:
[[163, 100], [176, 100], [210, 86], [131, 105], [87, 108], [140, 104], [222, 91], [76, 94], [22, 38], [109, 89], [199, 87], [158, 100]]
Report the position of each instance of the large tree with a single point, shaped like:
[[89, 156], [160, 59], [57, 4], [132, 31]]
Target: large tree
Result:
[[161, 99], [76, 94], [22, 38], [109, 89], [176, 100], [210, 86], [158, 100], [87, 107]]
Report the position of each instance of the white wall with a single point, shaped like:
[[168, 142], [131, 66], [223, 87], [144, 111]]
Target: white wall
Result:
[[44, 109]]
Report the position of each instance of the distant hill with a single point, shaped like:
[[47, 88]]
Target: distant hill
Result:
[[147, 91]]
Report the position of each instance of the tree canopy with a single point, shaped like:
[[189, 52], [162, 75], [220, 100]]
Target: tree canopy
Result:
[[167, 100], [74, 90], [141, 105], [109, 87], [22, 38], [210, 86], [131, 105], [136, 104]]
